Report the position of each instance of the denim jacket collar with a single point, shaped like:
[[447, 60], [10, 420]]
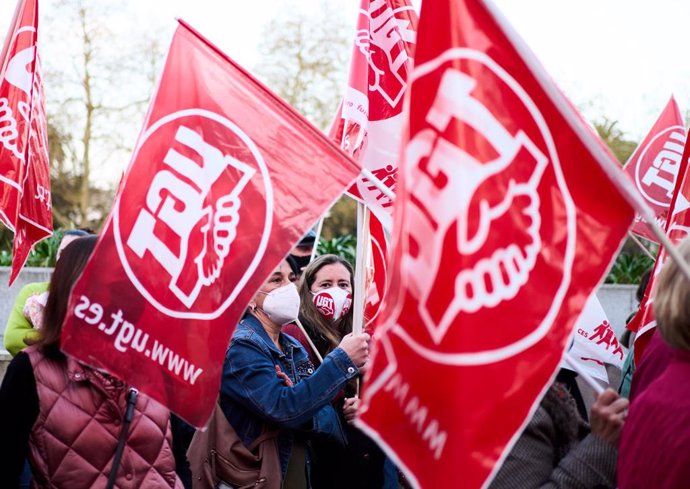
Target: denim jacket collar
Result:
[[255, 325]]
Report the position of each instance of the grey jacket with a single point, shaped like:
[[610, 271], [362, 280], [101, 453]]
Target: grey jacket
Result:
[[549, 455]]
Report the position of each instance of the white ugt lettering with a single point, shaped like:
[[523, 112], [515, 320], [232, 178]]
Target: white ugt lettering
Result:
[[174, 202], [666, 162]]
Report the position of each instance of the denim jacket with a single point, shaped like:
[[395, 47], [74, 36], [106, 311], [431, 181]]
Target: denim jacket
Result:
[[252, 394]]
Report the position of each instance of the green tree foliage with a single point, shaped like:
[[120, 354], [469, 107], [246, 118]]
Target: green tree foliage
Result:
[[43, 254], [344, 246], [341, 219], [614, 138], [629, 268]]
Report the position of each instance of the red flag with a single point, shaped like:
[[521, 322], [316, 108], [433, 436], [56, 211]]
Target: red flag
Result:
[[500, 236], [677, 228], [369, 124], [653, 167], [25, 204], [376, 283], [208, 208]]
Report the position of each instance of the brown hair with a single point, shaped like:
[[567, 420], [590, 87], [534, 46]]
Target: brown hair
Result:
[[67, 270], [332, 332], [672, 302]]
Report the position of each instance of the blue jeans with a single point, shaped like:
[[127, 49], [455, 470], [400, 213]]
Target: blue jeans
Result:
[[25, 478]]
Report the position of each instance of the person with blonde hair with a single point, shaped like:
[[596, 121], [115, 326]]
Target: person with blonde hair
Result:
[[656, 439]]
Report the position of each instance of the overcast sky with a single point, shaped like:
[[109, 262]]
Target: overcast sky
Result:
[[620, 59]]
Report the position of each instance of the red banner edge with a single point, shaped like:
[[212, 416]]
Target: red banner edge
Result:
[[595, 146], [280, 102], [14, 273]]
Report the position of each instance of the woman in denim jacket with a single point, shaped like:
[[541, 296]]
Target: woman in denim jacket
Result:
[[269, 379]]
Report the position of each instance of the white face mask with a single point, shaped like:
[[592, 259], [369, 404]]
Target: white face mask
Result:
[[281, 305], [333, 303]]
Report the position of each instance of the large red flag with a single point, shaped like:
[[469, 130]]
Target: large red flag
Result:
[[677, 228], [209, 206], [25, 204], [654, 166], [500, 236], [370, 122]]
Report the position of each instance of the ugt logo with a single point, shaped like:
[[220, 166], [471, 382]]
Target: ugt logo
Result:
[[490, 221], [16, 86], [385, 46], [658, 180], [195, 170], [324, 303]]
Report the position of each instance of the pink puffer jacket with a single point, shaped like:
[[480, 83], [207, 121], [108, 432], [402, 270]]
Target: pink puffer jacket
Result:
[[74, 439]]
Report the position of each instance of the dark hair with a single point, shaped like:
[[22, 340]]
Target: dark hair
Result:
[[332, 332], [67, 270], [642, 288], [294, 266], [79, 233]]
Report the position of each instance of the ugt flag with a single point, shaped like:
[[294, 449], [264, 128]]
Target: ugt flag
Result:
[[508, 212], [370, 122], [654, 165], [207, 209], [25, 204], [677, 229]]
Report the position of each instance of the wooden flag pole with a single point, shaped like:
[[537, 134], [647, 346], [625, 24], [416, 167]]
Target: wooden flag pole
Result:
[[362, 259], [361, 269], [671, 250], [582, 373], [311, 343], [378, 184], [317, 238], [641, 245]]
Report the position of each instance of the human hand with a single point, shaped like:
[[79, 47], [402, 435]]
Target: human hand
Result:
[[350, 409], [357, 348], [284, 377], [607, 416]]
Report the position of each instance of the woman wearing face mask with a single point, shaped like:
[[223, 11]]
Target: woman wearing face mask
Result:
[[297, 399], [326, 314]]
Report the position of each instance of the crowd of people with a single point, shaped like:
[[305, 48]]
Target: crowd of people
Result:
[[289, 395]]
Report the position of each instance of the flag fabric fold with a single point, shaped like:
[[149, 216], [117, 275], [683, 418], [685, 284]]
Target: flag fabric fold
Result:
[[677, 228], [653, 167], [369, 124], [595, 344], [209, 206], [499, 239], [25, 200]]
